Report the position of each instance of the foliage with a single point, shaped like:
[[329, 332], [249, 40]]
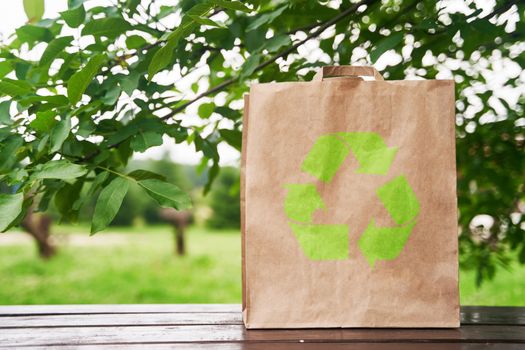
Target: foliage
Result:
[[95, 95], [225, 201], [138, 208]]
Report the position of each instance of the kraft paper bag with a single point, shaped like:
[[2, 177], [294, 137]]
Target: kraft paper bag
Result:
[[349, 212]]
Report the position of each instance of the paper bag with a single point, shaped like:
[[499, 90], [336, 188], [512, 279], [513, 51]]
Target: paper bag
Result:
[[349, 210]]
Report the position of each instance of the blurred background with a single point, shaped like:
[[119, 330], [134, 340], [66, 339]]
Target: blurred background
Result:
[[150, 255], [139, 258]]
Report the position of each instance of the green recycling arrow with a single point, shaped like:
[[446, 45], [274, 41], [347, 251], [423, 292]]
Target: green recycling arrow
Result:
[[329, 152], [386, 243], [330, 242]]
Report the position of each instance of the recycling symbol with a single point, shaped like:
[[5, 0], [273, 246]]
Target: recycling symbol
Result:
[[331, 241]]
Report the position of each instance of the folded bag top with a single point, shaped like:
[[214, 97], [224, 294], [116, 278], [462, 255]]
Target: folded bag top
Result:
[[347, 71], [348, 203]]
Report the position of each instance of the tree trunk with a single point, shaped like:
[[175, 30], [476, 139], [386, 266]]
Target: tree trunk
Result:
[[179, 241], [38, 228], [179, 220]]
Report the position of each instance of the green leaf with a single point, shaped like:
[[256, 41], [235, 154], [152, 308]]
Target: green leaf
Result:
[[22, 69], [132, 5], [231, 5], [42, 143], [144, 140], [276, 42], [14, 88], [97, 182], [166, 10], [8, 149], [54, 48], [206, 21], [232, 137], [141, 174], [206, 110], [18, 175], [135, 42], [10, 208], [521, 256], [59, 134], [228, 113], [71, 4], [200, 9], [386, 44], [4, 133], [74, 17], [86, 127], [110, 27], [52, 100], [111, 96], [65, 199], [46, 197], [130, 82], [31, 34], [34, 10], [212, 174], [163, 57], [79, 81], [166, 194], [44, 122], [108, 203], [249, 66], [266, 18], [208, 148], [5, 116], [139, 124], [6, 67], [60, 169]]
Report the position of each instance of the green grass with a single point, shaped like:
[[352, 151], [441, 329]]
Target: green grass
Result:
[[506, 289], [140, 269], [139, 266]]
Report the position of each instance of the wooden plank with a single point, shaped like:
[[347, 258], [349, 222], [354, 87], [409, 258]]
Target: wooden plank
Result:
[[304, 346], [13, 310], [479, 333], [470, 315], [220, 327], [126, 319], [237, 333], [493, 315]]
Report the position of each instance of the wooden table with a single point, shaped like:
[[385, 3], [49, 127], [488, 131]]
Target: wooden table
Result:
[[189, 326]]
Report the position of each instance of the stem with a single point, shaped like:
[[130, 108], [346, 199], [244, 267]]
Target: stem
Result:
[[116, 173]]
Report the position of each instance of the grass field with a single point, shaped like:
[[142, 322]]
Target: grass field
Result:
[[130, 266]]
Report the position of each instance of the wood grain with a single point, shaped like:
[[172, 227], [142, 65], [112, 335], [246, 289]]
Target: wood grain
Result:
[[237, 333], [127, 319], [188, 326], [493, 315], [301, 346], [115, 309]]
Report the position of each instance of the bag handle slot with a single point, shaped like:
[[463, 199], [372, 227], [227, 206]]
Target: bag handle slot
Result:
[[347, 71]]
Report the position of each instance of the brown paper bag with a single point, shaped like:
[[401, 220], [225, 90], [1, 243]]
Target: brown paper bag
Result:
[[348, 203]]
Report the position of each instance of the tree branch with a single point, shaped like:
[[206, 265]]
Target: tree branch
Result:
[[500, 10], [322, 27]]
